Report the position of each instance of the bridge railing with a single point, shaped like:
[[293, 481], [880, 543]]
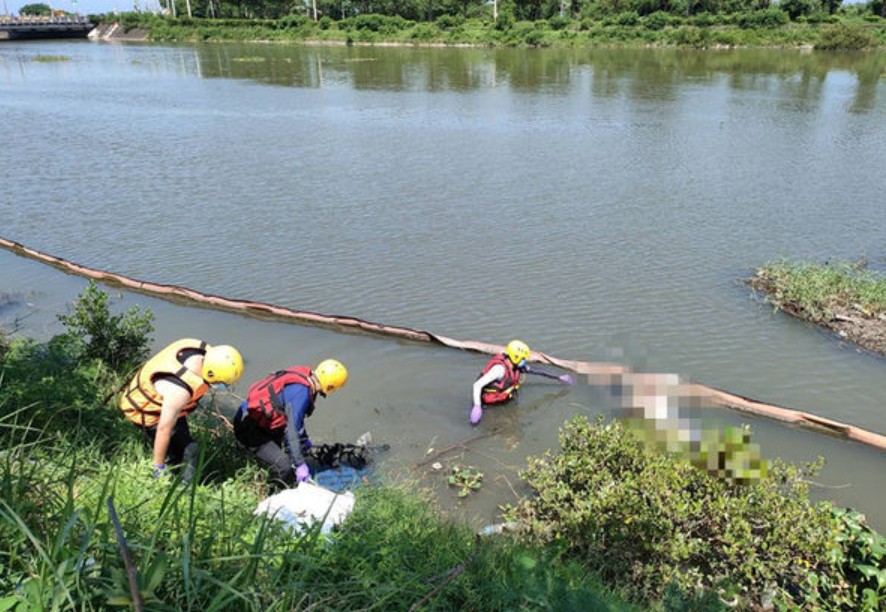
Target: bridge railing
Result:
[[36, 20]]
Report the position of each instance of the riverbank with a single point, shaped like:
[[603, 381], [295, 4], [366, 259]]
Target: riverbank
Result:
[[613, 524], [770, 29], [843, 298]]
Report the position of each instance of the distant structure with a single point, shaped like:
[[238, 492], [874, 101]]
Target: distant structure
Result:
[[55, 26]]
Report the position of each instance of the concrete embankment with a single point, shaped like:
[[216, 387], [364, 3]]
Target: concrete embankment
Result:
[[116, 32]]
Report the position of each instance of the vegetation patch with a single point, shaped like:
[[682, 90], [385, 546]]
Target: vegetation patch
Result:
[[47, 59], [635, 24], [466, 479], [843, 297], [649, 522]]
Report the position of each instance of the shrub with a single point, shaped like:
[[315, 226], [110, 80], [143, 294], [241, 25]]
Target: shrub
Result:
[[798, 8], [424, 32], [559, 23], [645, 519], [383, 24], [766, 18], [120, 341], [845, 37], [505, 21], [294, 22], [704, 19], [628, 18], [446, 22], [691, 36], [657, 20]]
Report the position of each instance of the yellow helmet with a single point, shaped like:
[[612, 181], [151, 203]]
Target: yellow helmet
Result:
[[517, 351], [331, 374], [222, 364]]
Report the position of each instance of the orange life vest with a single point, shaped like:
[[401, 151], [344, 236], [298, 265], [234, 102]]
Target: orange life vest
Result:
[[141, 403], [504, 388], [263, 399]]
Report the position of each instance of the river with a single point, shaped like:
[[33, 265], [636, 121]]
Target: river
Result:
[[602, 205]]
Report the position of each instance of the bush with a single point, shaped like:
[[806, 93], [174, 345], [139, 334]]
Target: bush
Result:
[[646, 519], [559, 23], [424, 32], [294, 22], [383, 24], [120, 341], [505, 21], [691, 36], [845, 38], [657, 20], [447, 22], [797, 8], [628, 18], [767, 18], [704, 19]]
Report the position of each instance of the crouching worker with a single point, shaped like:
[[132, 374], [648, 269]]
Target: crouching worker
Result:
[[501, 378], [166, 390], [271, 421]]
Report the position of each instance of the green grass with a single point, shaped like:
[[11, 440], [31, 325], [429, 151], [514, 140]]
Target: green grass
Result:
[[817, 290], [66, 460]]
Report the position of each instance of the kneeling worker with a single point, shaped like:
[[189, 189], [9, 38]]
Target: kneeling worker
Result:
[[271, 421], [166, 390], [502, 377]]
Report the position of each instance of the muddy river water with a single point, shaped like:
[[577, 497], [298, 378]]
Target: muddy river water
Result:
[[602, 205]]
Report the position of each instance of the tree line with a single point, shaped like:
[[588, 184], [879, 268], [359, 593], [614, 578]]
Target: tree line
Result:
[[507, 10]]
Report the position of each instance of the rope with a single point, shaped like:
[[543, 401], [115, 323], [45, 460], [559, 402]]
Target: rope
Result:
[[648, 388]]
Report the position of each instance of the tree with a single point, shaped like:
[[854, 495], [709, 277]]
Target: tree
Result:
[[36, 10]]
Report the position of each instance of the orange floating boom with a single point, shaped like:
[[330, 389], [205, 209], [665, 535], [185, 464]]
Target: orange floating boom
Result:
[[648, 388]]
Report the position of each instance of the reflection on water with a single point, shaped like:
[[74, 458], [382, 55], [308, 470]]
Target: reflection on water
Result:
[[602, 205], [652, 74]]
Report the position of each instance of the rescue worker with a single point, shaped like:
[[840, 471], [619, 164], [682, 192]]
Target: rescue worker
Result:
[[502, 377], [166, 390], [271, 421]]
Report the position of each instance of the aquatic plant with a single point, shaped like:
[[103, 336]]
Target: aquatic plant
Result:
[[466, 479]]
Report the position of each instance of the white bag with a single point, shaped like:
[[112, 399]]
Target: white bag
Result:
[[306, 504]]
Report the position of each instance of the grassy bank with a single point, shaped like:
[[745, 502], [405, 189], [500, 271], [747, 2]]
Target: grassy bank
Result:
[[65, 459], [767, 28], [843, 297], [613, 523]]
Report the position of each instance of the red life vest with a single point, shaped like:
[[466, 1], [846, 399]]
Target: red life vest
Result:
[[263, 401], [504, 388]]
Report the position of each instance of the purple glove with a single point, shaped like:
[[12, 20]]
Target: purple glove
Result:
[[159, 470], [566, 378], [476, 414], [302, 473]]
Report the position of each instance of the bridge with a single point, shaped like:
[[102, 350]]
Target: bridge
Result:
[[63, 26]]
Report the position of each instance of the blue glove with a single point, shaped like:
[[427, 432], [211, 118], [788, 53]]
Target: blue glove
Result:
[[159, 470], [302, 473], [566, 378], [476, 414], [306, 445]]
